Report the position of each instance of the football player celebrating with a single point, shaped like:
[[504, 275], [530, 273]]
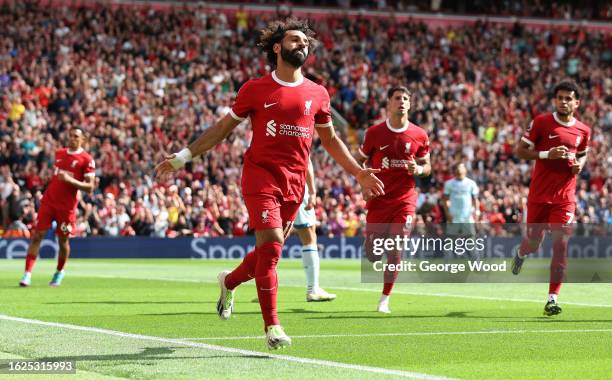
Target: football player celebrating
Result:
[[558, 142], [284, 109], [400, 150], [74, 169]]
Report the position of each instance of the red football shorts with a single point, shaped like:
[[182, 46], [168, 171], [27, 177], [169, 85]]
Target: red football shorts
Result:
[[387, 224], [65, 219], [402, 215], [549, 216], [268, 211]]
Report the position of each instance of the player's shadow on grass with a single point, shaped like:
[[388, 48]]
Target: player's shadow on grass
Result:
[[457, 314], [147, 354], [129, 303], [554, 320], [369, 315], [290, 311], [200, 313]]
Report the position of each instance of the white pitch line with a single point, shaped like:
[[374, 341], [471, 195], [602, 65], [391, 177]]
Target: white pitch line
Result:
[[469, 296], [356, 290], [326, 363], [428, 333]]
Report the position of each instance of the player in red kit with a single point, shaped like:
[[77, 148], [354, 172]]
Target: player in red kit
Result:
[[559, 144], [400, 150], [74, 169], [284, 109]]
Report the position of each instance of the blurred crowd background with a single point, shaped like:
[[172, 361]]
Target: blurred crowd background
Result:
[[142, 83]]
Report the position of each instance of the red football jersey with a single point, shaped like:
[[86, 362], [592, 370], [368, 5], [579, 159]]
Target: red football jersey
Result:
[[390, 149], [283, 116], [78, 164], [552, 181]]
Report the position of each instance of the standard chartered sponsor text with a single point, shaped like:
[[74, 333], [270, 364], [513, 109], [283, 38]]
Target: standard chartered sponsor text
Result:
[[294, 130]]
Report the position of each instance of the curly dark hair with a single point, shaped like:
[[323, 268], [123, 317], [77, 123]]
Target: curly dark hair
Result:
[[568, 86], [275, 32]]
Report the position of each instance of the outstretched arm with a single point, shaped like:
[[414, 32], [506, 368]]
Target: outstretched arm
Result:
[[310, 183], [207, 140], [360, 158]]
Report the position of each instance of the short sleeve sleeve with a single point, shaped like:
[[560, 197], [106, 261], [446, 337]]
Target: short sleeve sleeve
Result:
[[243, 106], [532, 134], [365, 150], [323, 116], [583, 145], [423, 149], [447, 188], [90, 168], [474, 189]]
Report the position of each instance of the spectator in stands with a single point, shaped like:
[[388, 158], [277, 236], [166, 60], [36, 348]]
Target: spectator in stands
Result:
[[140, 82]]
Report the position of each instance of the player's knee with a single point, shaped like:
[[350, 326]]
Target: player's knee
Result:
[[308, 236], [371, 255], [560, 237], [64, 242], [534, 243], [37, 237], [275, 235]]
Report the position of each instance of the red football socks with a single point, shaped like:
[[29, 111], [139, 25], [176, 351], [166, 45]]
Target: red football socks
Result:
[[243, 272], [30, 261], [391, 276], [266, 280], [558, 265]]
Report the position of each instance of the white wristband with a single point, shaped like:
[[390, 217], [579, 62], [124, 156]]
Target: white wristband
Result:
[[419, 170], [543, 155], [181, 158]]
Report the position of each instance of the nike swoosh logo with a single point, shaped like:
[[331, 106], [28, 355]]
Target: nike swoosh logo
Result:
[[266, 105], [384, 147], [552, 136]]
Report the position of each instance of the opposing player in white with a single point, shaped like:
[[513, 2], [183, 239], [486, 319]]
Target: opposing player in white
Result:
[[305, 226]]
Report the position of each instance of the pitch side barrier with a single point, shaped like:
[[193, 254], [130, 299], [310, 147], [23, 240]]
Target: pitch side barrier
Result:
[[431, 253], [433, 20], [496, 242]]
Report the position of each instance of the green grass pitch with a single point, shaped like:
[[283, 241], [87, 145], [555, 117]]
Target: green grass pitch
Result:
[[157, 319]]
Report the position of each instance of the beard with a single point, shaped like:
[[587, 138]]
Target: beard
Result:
[[563, 113], [295, 57]]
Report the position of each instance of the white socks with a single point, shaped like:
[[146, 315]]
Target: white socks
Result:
[[552, 298], [310, 259]]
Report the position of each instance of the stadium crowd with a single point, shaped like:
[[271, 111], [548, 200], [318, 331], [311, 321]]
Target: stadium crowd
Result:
[[141, 83], [566, 9]]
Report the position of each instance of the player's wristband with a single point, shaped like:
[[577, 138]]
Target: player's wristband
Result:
[[419, 170], [543, 155], [181, 158]]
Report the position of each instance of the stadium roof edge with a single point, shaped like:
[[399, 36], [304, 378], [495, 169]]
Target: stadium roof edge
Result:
[[431, 19]]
